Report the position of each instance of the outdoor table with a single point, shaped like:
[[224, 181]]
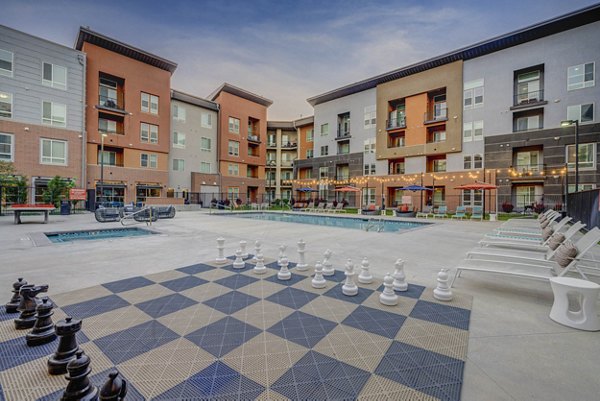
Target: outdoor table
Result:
[[44, 208]]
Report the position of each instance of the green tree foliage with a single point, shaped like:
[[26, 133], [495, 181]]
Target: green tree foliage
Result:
[[58, 190], [14, 185]]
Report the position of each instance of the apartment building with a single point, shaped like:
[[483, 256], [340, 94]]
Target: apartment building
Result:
[[306, 139], [193, 158], [282, 152], [242, 142], [41, 110], [128, 104]]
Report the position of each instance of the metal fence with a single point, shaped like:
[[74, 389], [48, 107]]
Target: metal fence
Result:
[[585, 206], [13, 194]]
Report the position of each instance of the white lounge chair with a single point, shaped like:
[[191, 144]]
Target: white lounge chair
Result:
[[527, 222], [531, 230]]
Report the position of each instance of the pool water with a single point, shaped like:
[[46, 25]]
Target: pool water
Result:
[[364, 223], [68, 236]]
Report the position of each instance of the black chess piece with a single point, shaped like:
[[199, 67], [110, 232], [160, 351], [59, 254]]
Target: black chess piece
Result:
[[29, 302], [67, 345], [13, 304], [43, 330], [114, 389], [79, 387]]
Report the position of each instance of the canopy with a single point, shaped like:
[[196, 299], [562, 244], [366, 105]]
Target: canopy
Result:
[[414, 188], [307, 190]]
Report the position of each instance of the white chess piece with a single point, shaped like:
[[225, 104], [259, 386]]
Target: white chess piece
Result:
[[221, 260], [260, 267], [257, 246], [318, 281], [388, 297], [284, 273], [239, 262], [282, 249], [301, 266], [328, 269], [399, 276], [243, 248], [365, 276], [349, 288], [443, 292]]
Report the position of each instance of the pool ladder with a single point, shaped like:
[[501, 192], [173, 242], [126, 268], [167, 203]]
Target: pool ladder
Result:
[[375, 224]]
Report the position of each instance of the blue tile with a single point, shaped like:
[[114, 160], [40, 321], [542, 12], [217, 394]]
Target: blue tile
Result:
[[375, 321], [195, 269], [128, 284], [217, 381], [442, 314], [302, 328], [2, 393], [296, 278], [164, 305], [336, 292], [16, 352], [426, 371], [222, 336], [183, 283], [236, 281], [129, 343], [292, 297], [7, 316], [338, 276], [247, 259], [95, 306], [319, 377], [413, 291], [231, 302], [275, 266]]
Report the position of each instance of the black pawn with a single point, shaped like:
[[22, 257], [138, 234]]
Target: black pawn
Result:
[[79, 387], [43, 330], [13, 304], [115, 388], [29, 302], [67, 345]]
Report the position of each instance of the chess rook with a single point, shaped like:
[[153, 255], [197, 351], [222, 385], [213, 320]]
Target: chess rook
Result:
[[260, 267], [243, 248], [328, 269], [43, 330], [79, 387], [284, 273], [349, 288], [29, 302], [365, 276], [67, 345], [399, 276], [301, 266], [318, 281], [114, 389], [257, 251], [388, 296], [221, 260], [443, 292], [239, 262], [13, 304]]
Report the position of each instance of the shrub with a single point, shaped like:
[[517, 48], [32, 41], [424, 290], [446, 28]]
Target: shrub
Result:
[[507, 207], [538, 207]]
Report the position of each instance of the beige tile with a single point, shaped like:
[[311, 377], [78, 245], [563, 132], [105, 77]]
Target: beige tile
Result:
[[165, 276], [404, 307], [113, 321], [191, 318], [459, 300], [263, 314], [30, 381], [205, 292], [214, 275], [435, 337], [329, 308], [262, 289], [379, 388], [145, 293], [77, 296], [306, 285]]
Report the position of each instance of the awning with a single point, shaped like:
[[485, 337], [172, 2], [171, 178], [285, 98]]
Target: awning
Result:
[[148, 186], [111, 185]]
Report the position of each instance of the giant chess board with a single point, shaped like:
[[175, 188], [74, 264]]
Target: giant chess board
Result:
[[209, 331]]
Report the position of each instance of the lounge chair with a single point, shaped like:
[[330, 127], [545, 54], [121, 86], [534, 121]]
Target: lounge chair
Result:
[[552, 222], [477, 213], [329, 207], [166, 212], [107, 214], [339, 208], [308, 206], [372, 209], [320, 207], [441, 212], [530, 233], [461, 213], [529, 222], [426, 212]]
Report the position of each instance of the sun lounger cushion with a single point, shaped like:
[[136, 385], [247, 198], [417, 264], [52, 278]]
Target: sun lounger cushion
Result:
[[556, 240], [544, 224], [565, 254], [547, 232]]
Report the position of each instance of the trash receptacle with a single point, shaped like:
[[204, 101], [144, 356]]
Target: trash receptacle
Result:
[[65, 207]]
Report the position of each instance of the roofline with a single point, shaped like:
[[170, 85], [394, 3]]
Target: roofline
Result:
[[281, 124], [194, 100], [304, 121], [234, 90], [95, 38], [539, 30], [42, 39]]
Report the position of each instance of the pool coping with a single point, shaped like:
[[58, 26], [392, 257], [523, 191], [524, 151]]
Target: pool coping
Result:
[[40, 239]]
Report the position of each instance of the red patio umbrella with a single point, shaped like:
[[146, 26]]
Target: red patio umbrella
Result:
[[483, 186], [348, 188]]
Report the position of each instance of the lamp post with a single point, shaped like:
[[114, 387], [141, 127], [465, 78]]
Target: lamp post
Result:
[[102, 166], [271, 165], [568, 123]]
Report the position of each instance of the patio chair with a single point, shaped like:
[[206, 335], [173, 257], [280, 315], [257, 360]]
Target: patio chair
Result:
[[370, 210], [107, 214], [477, 213], [320, 207], [308, 206], [328, 207], [339, 208], [552, 222], [426, 212], [461, 213], [529, 222], [528, 234], [166, 212], [441, 212]]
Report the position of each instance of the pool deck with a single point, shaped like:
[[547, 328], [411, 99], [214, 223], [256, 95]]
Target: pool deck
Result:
[[515, 351]]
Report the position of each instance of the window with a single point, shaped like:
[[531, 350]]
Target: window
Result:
[[370, 117], [150, 104], [528, 120], [233, 169], [234, 125], [472, 198], [324, 129], [234, 148], [587, 153], [6, 104], [178, 111], [233, 193], [148, 160], [309, 135], [369, 145], [369, 169], [6, 147], [309, 153], [343, 148], [6, 63], [323, 172], [205, 144], [324, 150], [206, 120], [54, 114], [178, 164], [106, 126], [467, 132], [439, 165], [581, 187], [478, 130], [467, 160], [179, 140], [525, 196], [477, 161], [368, 196], [108, 158], [205, 167], [149, 133], [584, 113], [54, 76], [578, 76], [108, 92], [473, 94], [54, 152], [439, 136], [529, 87]]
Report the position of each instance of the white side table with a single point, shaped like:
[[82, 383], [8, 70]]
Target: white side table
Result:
[[585, 293]]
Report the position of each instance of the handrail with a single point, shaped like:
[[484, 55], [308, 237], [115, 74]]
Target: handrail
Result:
[[131, 216]]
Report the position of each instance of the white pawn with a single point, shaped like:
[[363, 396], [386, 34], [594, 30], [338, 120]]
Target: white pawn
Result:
[[282, 249], [301, 266], [328, 269], [260, 267], [388, 297], [365, 276], [284, 273], [257, 246], [239, 262], [443, 292], [318, 281], [349, 288], [221, 260], [243, 248], [399, 276]]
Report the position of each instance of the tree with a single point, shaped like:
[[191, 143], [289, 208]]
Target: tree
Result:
[[14, 185], [57, 190]]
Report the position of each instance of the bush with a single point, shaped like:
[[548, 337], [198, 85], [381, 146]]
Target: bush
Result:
[[507, 207], [538, 207]]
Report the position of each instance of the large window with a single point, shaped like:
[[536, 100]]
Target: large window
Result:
[[467, 162], [108, 92], [178, 164], [369, 169], [473, 131], [150, 103], [6, 63], [324, 129], [233, 148], [477, 161], [178, 112], [529, 120], [368, 196], [324, 150], [54, 114], [233, 193], [6, 147], [343, 148], [580, 76], [206, 120], [106, 126], [234, 125], [148, 133], [323, 172], [107, 158], [587, 156], [526, 196], [309, 153], [205, 144], [6, 104], [370, 117], [473, 94], [179, 140], [369, 145], [53, 152], [584, 113], [309, 135], [205, 167], [54, 76], [439, 165], [233, 169], [528, 87], [472, 198], [148, 160]]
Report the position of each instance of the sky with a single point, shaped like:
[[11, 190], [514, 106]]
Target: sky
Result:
[[284, 50]]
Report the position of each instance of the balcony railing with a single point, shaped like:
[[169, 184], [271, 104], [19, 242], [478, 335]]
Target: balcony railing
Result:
[[438, 113], [343, 177], [271, 144], [396, 142], [396, 123], [106, 164], [289, 145], [252, 153], [111, 131], [253, 138], [396, 170], [286, 163], [109, 103], [534, 97], [341, 134], [528, 169], [285, 182], [251, 175]]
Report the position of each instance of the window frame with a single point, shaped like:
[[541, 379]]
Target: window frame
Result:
[[10, 96], [235, 147], [370, 116], [470, 137], [52, 157], [235, 124], [149, 108], [8, 73], [579, 114], [150, 139], [311, 155], [583, 83], [180, 162], [206, 120], [12, 147], [311, 137], [51, 121], [326, 147], [177, 143], [571, 165], [151, 159], [51, 83], [476, 127], [209, 167], [209, 148], [325, 129], [179, 113], [230, 169], [467, 159]]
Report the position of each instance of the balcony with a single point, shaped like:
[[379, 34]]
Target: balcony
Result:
[[253, 152], [529, 99], [285, 182], [271, 144], [289, 145], [111, 131], [286, 164], [111, 164], [109, 103], [396, 123], [526, 170], [341, 135], [253, 138], [439, 113], [396, 141]]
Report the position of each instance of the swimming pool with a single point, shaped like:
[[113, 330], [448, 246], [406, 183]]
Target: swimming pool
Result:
[[68, 236], [364, 223]]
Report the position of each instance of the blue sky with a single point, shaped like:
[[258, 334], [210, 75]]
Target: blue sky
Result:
[[284, 50]]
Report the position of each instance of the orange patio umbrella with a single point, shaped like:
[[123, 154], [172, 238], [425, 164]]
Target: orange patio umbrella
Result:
[[483, 186]]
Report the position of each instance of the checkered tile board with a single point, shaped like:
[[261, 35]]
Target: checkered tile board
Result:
[[212, 332]]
